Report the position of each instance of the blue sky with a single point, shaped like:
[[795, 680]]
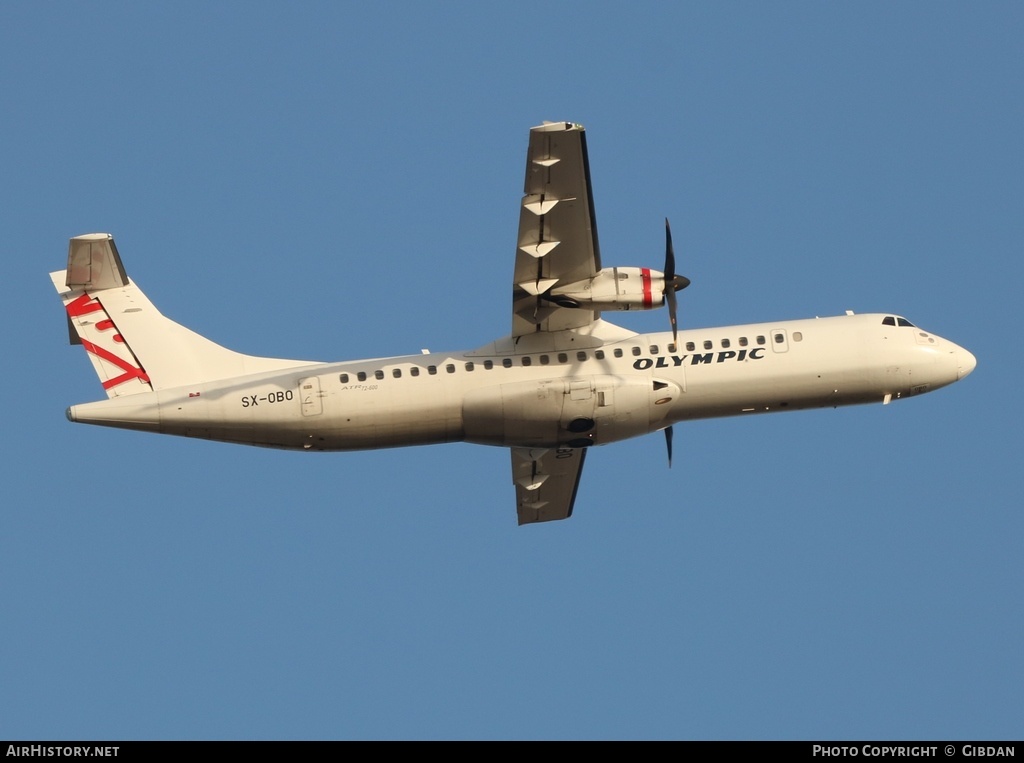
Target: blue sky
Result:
[[339, 180]]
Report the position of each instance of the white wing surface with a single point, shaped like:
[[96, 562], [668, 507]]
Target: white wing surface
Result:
[[557, 233], [546, 482]]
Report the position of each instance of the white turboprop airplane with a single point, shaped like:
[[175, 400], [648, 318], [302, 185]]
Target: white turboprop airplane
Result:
[[562, 381]]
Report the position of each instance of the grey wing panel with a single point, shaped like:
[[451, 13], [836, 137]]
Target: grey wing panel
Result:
[[546, 481], [557, 241]]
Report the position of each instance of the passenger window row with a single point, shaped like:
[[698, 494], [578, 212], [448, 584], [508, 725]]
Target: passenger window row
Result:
[[563, 357], [525, 360]]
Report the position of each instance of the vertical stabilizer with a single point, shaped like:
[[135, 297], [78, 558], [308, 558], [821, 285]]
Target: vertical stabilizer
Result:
[[91, 326], [133, 347]]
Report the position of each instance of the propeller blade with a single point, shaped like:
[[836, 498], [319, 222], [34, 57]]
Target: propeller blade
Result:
[[670, 294], [670, 281], [670, 255], [668, 444]]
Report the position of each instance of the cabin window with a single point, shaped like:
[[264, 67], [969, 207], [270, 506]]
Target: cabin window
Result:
[[526, 360], [798, 336], [618, 352], [743, 341], [760, 339], [671, 348], [344, 378], [450, 368], [397, 373], [544, 360], [690, 347], [507, 362], [563, 358], [432, 370], [725, 344], [378, 374], [361, 376], [707, 344], [469, 366], [599, 354], [581, 355], [488, 365], [779, 338], [654, 349], [636, 350], [414, 371]]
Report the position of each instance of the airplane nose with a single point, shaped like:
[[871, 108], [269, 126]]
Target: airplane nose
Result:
[[965, 363]]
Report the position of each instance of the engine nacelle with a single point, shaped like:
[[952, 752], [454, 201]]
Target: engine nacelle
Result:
[[613, 289]]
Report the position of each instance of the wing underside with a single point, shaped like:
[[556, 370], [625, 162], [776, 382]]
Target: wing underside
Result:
[[557, 242], [557, 246], [546, 481]]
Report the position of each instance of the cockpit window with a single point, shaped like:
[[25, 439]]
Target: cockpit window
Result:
[[890, 320]]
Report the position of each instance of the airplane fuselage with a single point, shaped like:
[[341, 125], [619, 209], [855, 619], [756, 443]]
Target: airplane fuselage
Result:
[[593, 395]]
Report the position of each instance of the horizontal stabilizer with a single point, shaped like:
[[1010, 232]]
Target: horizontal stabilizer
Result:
[[94, 264]]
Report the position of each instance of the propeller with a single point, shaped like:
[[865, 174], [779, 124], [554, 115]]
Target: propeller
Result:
[[673, 283]]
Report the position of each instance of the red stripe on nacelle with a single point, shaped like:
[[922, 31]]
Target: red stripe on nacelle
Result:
[[645, 275]]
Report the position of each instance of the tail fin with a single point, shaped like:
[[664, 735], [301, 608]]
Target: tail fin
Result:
[[132, 346]]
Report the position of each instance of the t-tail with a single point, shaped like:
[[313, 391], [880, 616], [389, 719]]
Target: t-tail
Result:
[[133, 347]]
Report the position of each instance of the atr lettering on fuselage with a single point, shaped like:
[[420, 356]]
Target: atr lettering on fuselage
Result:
[[662, 361]]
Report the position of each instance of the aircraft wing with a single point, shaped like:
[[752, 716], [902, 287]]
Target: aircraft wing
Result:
[[557, 232], [546, 482]]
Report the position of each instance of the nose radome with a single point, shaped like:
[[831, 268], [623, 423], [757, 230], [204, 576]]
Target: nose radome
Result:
[[965, 362]]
